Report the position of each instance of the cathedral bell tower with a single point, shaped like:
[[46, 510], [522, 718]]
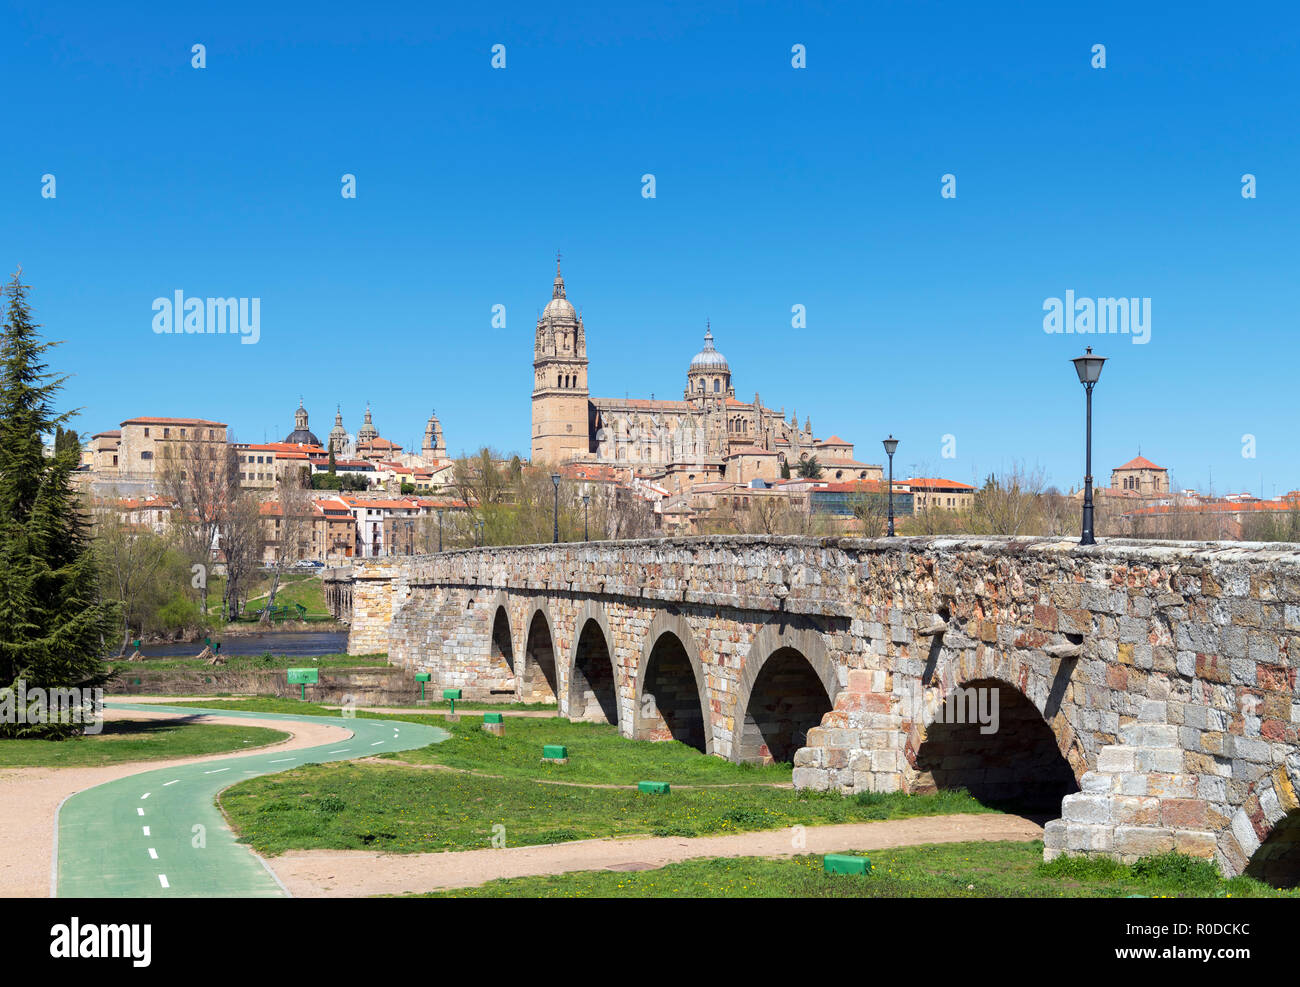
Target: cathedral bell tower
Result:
[[561, 430]]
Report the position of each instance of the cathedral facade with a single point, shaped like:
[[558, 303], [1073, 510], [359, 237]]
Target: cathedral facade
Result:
[[708, 435]]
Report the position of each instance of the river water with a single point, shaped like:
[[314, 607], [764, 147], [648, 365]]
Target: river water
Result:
[[298, 644]]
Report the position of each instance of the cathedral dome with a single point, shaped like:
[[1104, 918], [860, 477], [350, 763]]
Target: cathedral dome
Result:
[[709, 358], [301, 434], [560, 310]]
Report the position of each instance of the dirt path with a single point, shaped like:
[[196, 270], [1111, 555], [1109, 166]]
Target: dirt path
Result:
[[29, 797], [355, 873]]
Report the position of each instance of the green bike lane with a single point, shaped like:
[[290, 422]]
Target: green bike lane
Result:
[[159, 833]]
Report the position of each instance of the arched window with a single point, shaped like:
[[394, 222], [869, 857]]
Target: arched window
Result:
[[717, 385]]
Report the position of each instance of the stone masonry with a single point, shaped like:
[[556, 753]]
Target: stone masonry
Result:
[[1159, 677]]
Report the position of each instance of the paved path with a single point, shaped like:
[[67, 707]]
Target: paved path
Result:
[[352, 873], [160, 834]]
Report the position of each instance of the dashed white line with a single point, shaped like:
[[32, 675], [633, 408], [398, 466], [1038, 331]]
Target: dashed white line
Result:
[[145, 796], [146, 830], [139, 810], [172, 782], [341, 750], [215, 771], [376, 743], [153, 853], [162, 879], [279, 759]]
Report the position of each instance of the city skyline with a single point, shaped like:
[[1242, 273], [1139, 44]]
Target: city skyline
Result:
[[818, 187]]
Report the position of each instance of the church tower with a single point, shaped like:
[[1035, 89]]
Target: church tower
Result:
[[435, 446], [561, 430]]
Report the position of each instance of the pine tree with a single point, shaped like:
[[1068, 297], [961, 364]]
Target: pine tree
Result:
[[54, 628]]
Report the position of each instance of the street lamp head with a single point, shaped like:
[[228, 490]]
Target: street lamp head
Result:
[[555, 478], [1088, 367], [586, 499], [890, 444]]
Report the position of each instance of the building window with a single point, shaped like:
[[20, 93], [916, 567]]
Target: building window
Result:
[[146, 433]]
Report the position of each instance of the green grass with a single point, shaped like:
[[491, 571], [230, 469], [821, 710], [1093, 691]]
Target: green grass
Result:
[[401, 809], [597, 755], [305, 588], [247, 663], [135, 740], [951, 870]]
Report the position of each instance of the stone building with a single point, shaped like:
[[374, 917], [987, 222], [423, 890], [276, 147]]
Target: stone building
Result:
[[709, 435], [1140, 476]]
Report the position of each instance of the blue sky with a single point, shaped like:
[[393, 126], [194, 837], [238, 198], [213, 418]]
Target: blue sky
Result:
[[775, 186]]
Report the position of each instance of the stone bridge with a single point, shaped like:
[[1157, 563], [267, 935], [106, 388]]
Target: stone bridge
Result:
[[1144, 692]]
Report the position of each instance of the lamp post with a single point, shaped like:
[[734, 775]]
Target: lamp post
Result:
[[586, 499], [480, 533], [555, 479], [439, 530], [891, 444], [1088, 368]]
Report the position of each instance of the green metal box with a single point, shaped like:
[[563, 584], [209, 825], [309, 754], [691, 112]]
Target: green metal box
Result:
[[652, 787], [846, 863], [492, 718], [422, 676], [554, 752], [450, 693]]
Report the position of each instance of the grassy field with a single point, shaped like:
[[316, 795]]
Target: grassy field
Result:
[[304, 588], [950, 870], [403, 809], [597, 755], [247, 663], [135, 740]]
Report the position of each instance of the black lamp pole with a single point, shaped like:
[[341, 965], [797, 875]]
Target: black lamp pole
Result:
[[586, 499], [891, 444], [440, 531], [1088, 368], [555, 479]]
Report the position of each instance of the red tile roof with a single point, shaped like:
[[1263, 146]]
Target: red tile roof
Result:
[[1139, 463], [935, 483]]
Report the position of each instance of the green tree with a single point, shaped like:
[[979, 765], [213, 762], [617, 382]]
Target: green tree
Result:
[[809, 468], [66, 440], [54, 626]]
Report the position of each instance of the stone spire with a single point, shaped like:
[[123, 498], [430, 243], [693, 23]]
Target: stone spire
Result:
[[557, 289], [338, 434], [434, 446], [367, 432]]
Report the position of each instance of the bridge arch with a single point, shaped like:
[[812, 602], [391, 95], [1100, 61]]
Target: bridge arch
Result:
[[787, 684], [986, 735], [501, 636], [671, 675], [1276, 859], [592, 674], [539, 681]]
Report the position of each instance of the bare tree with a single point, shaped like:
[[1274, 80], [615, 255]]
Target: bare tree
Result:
[[290, 518], [130, 559], [242, 538], [1009, 504], [201, 477]]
